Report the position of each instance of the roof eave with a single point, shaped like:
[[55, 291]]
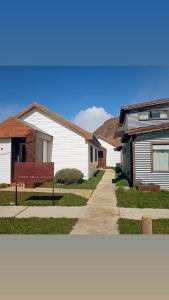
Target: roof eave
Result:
[[84, 133]]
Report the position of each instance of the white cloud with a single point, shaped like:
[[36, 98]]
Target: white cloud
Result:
[[91, 118], [8, 111]]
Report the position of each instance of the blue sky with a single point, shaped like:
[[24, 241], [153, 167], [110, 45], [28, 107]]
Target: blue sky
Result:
[[85, 95], [84, 32]]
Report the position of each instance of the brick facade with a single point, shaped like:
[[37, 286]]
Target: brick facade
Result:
[[31, 146]]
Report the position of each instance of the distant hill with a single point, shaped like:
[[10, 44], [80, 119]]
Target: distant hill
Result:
[[107, 130]]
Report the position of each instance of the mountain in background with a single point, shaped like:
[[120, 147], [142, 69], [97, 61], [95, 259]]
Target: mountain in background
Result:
[[107, 130]]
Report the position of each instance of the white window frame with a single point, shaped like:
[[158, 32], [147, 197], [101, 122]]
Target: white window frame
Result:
[[159, 147]]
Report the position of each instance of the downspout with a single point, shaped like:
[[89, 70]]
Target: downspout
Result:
[[133, 161]]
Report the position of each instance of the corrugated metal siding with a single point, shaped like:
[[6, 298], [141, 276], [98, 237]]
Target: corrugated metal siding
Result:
[[143, 171], [134, 122], [5, 161]]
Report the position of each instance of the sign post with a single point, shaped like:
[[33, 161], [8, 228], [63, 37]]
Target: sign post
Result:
[[16, 194], [34, 172], [53, 193]]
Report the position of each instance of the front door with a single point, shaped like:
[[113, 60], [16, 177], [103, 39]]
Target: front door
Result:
[[101, 163]]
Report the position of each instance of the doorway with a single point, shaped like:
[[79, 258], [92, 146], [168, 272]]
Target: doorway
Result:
[[18, 154], [102, 158]]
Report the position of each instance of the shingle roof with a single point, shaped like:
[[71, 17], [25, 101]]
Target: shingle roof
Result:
[[141, 105], [147, 129], [14, 128], [142, 130]]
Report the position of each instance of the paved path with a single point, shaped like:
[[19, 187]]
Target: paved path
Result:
[[101, 214], [138, 213], [41, 212], [80, 192]]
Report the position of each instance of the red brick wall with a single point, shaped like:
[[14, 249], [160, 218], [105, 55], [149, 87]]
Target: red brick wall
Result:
[[31, 152], [31, 146]]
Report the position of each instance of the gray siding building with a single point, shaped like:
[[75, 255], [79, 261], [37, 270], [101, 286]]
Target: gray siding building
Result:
[[145, 137]]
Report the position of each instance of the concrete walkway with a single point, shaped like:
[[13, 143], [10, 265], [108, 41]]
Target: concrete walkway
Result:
[[138, 213], [41, 211], [79, 192], [101, 214]]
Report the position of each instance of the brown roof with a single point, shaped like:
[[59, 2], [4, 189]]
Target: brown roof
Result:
[[146, 129], [87, 135], [14, 128], [114, 143], [141, 105]]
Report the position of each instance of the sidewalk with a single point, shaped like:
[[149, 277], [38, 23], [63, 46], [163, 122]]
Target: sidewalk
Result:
[[101, 214], [138, 213], [40, 211], [80, 192]]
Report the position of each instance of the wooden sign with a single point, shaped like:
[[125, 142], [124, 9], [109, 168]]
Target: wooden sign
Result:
[[34, 172]]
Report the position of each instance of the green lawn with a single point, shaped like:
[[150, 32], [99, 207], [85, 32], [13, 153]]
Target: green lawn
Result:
[[91, 183], [36, 225], [120, 178], [133, 198], [41, 199], [128, 226]]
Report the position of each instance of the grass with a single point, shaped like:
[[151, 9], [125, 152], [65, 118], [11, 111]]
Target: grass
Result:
[[128, 226], [120, 178], [91, 183], [41, 199], [36, 225], [133, 198]]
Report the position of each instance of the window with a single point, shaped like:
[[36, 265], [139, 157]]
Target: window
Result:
[[161, 158], [159, 114], [91, 153], [145, 115], [45, 151], [95, 154], [153, 114]]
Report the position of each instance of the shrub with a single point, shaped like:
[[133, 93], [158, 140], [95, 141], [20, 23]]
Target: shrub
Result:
[[3, 185], [67, 176]]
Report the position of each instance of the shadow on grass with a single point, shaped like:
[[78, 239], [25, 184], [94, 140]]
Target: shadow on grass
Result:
[[44, 198]]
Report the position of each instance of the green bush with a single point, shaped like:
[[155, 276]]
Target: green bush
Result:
[[3, 185], [67, 176], [121, 179], [122, 182]]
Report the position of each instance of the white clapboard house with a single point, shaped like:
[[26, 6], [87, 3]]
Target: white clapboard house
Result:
[[113, 157], [37, 134]]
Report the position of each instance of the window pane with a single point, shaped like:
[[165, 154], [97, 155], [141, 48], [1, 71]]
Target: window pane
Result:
[[161, 114], [45, 151], [95, 154], [161, 160], [91, 153], [144, 115], [161, 147]]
